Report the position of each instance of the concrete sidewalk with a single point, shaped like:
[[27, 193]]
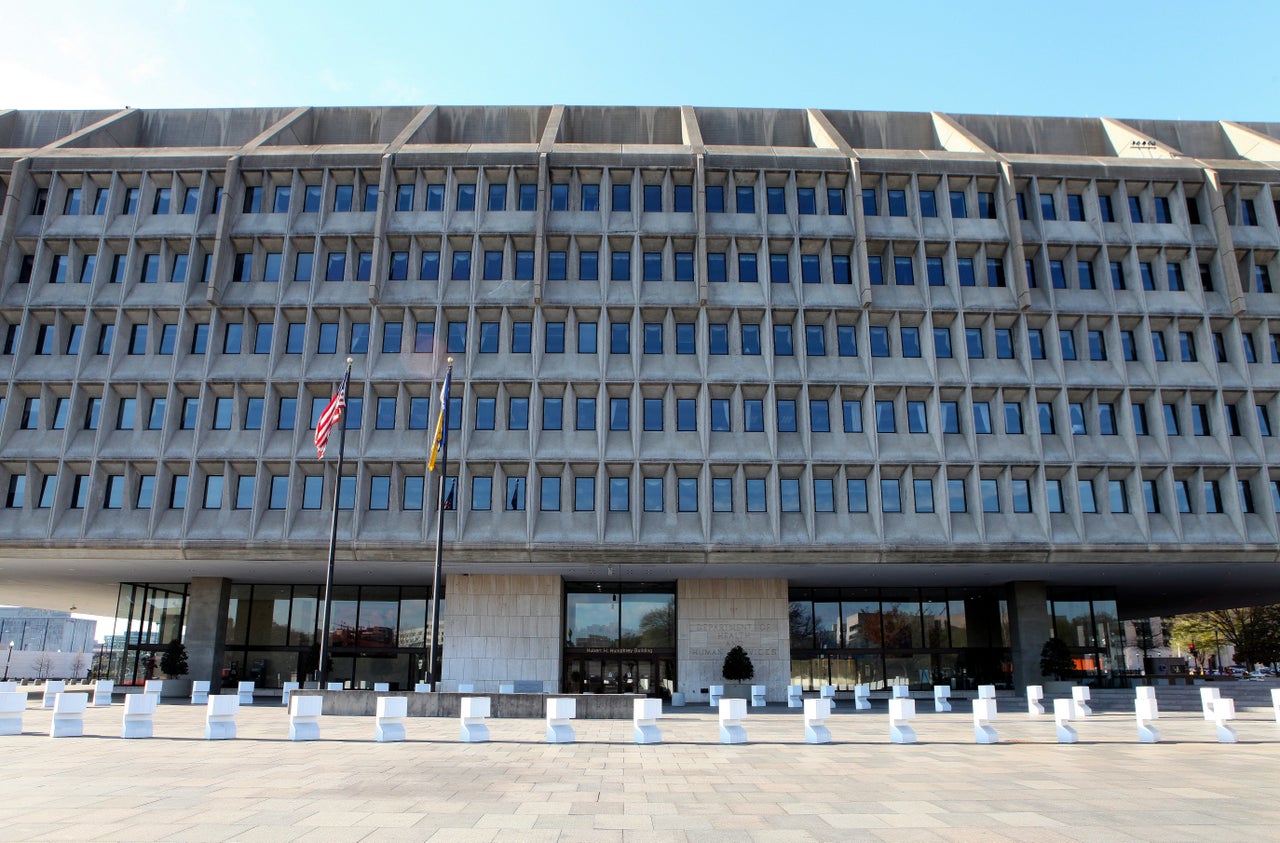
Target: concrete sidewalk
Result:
[[345, 787]]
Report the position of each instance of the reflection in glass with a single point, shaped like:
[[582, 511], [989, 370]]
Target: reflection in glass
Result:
[[342, 616], [302, 621], [378, 620], [591, 620], [648, 620]]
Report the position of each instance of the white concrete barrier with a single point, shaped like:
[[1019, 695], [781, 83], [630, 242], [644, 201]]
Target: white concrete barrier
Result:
[[388, 726], [816, 714], [422, 688], [1208, 696], [474, 711], [1035, 700], [466, 688], [245, 692], [986, 692], [828, 693], [1146, 710], [153, 686], [902, 710], [52, 688], [984, 711], [334, 686], [68, 715], [862, 697], [1080, 699], [901, 692], [1224, 710], [714, 693], [644, 721], [1275, 702], [13, 704], [506, 687], [8, 687], [795, 696], [677, 699], [102, 691], [560, 711], [304, 718], [1062, 711], [757, 695], [286, 691], [941, 698], [220, 717], [200, 692], [382, 687], [139, 711], [732, 713]]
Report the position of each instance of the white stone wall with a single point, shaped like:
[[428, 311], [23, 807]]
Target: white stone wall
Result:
[[500, 628], [714, 615]]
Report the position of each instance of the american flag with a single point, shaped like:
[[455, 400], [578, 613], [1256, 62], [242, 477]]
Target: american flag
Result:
[[331, 415]]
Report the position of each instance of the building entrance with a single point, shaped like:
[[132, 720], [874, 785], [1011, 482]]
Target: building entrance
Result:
[[619, 638]]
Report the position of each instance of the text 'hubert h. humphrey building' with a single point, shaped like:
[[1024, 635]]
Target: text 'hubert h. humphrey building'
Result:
[[883, 397]]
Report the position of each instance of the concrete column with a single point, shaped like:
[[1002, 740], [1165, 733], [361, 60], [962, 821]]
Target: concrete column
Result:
[[1028, 629], [206, 639], [502, 628]]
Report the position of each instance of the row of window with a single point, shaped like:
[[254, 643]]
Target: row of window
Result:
[[748, 264], [784, 339], [881, 197], [989, 494], [650, 413]]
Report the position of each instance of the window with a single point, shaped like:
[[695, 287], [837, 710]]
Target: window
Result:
[[653, 494], [586, 337], [990, 490], [753, 415], [1044, 413], [1088, 503], [995, 272], [461, 266], [973, 343], [61, 409], [968, 277], [917, 419], [552, 413], [879, 341], [1248, 214], [1012, 417], [1245, 490], [1187, 344], [715, 199], [847, 340], [129, 208], [782, 343], [786, 410], [515, 497], [1117, 275], [620, 197], [890, 495], [750, 339], [776, 200], [1151, 496], [497, 197], [745, 196], [949, 412], [885, 420], [584, 494], [981, 417], [851, 410], [30, 415], [126, 411], [619, 494], [1067, 341], [747, 270], [1107, 419], [687, 494], [789, 494], [549, 493], [856, 489], [1135, 209], [155, 419], [517, 413], [875, 270], [1118, 497], [928, 203], [903, 271], [1262, 278], [481, 494], [719, 414], [1053, 495], [653, 414], [1139, 413], [584, 416]]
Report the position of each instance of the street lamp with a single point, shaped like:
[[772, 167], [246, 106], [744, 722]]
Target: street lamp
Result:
[[8, 659]]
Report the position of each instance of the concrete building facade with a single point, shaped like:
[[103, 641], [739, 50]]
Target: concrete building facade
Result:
[[884, 397]]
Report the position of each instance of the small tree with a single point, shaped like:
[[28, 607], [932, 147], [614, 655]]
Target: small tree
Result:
[[737, 665], [1055, 659], [174, 660]]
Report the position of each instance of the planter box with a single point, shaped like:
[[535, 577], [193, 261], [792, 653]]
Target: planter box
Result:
[[736, 691]]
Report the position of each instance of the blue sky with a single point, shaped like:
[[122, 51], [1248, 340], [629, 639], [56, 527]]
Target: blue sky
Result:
[[1167, 60]]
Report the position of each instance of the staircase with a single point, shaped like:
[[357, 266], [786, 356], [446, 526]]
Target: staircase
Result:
[[1248, 695]]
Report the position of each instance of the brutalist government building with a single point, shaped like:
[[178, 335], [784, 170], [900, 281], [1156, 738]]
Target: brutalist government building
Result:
[[882, 397]]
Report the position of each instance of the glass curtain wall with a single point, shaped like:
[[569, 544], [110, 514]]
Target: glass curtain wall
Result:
[[1086, 619], [899, 636], [377, 633], [153, 615]]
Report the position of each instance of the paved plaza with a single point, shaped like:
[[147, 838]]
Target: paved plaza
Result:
[[345, 787]]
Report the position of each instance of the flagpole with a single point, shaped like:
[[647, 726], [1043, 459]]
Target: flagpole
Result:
[[433, 673], [322, 671]]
